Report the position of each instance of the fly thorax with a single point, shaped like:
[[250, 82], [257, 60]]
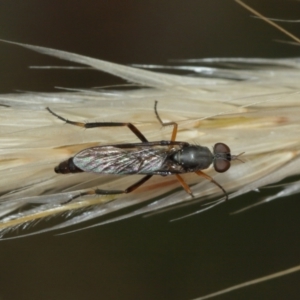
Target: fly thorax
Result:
[[193, 157]]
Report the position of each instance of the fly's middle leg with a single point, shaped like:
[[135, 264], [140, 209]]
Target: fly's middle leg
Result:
[[102, 124], [175, 125], [184, 185]]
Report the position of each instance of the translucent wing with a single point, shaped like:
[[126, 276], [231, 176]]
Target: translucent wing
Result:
[[115, 160]]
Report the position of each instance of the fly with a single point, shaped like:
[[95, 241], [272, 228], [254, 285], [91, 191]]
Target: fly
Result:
[[163, 158]]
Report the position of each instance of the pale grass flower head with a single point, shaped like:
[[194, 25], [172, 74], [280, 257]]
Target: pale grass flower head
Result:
[[255, 111]]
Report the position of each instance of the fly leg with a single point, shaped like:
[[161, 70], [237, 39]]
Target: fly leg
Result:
[[173, 142], [175, 125], [113, 192], [213, 181], [184, 185], [128, 190], [102, 124]]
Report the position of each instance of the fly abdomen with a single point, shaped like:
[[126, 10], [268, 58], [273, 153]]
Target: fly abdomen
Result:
[[66, 167]]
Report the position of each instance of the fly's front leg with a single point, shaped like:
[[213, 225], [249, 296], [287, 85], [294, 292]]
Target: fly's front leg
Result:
[[175, 125], [102, 124], [213, 181]]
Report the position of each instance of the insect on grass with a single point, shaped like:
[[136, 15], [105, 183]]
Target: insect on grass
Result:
[[167, 157]]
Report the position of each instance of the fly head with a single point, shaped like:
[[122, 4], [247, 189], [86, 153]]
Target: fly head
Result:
[[223, 157]]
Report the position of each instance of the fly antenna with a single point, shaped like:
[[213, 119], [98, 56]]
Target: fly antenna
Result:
[[237, 157]]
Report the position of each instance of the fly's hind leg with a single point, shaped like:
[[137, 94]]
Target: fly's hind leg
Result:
[[102, 124], [175, 125], [128, 190], [113, 192]]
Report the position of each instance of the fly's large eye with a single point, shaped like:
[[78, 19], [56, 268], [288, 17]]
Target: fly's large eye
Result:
[[221, 148], [221, 165]]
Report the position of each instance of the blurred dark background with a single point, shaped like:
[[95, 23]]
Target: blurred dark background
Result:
[[148, 258]]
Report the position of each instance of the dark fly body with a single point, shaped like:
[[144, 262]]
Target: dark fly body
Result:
[[146, 158]]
